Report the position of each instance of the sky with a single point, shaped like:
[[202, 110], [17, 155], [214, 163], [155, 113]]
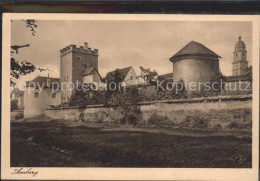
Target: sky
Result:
[[127, 43]]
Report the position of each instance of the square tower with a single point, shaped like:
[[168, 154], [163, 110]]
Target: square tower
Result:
[[73, 63]]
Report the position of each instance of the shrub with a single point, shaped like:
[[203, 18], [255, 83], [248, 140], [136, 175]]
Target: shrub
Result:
[[14, 105], [238, 125], [217, 126], [19, 116], [126, 102], [157, 120], [200, 122], [99, 120], [132, 116], [195, 121]]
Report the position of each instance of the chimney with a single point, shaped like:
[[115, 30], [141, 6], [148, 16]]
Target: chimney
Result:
[[86, 45], [48, 81]]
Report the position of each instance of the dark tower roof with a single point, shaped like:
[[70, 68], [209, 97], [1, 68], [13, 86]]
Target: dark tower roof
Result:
[[194, 49], [240, 45]]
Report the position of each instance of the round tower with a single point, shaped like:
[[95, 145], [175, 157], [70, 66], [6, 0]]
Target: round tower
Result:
[[240, 63], [195, 64]]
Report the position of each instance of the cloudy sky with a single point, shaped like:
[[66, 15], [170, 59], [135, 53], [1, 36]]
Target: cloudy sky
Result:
[[128, 43]]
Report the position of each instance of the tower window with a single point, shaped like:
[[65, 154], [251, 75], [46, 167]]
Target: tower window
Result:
[[53, 95], [36, 95], [78, 58]]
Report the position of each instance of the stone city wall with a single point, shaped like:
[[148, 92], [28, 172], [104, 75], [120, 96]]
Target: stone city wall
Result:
[[222, 113]]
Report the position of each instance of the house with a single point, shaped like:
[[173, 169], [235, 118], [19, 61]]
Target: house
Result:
[[91, 76], [167, 77], [18, 95], [237, 83], [128, 75], [39, 94]]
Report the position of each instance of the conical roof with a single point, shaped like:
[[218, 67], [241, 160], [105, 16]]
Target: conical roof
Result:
[[194, 48]]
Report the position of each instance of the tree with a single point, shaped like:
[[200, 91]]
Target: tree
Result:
[[22, 67], [126, 100], [114, 84], [148, 76], [127, 103], [114, 80]]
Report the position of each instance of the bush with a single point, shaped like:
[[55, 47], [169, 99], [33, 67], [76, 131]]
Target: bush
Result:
[[99, 120], [217, 126], [127, 103], [195, 121], [238, 125], [19, 116], [132, 117], [14, 105], [157, 120]]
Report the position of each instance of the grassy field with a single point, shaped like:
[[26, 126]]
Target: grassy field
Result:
[[52, 144]]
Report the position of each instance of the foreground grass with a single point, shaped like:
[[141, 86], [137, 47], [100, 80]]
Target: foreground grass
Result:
[[49, 144]]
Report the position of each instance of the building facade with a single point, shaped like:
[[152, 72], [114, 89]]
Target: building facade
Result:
[[39, 94]]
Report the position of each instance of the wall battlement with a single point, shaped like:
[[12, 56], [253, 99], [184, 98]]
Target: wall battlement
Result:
[[80, 49]]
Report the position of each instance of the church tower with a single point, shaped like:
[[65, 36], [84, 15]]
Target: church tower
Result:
[[240, 63]]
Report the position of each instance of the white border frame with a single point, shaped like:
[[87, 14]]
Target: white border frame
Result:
[[245, 174]]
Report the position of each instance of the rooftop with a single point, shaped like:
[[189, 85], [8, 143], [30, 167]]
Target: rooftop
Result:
[[168, 76], [194, 48], [236, 78], [42, 82], [123, 71]]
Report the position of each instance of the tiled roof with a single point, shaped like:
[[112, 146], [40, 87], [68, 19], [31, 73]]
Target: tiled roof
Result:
[[42, 82], [123, 71], [194, 48], [236, 78], [88, 71], [167, 76]]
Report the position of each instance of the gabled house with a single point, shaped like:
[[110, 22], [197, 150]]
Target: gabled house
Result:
[[128, 74], [91, 76]]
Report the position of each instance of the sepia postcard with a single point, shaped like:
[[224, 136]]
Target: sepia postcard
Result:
[[130, 97]]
